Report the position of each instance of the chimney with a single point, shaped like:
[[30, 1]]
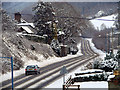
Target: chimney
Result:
[[18, 17]]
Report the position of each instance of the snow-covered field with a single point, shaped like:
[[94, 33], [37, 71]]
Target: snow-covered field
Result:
[[109, 22], [106, 20]]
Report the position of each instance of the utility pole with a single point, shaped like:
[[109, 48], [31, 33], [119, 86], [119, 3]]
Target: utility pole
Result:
[[107, 42], [112, 40]]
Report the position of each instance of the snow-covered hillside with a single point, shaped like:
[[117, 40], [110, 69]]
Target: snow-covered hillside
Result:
[[19, 47], [106, 21]]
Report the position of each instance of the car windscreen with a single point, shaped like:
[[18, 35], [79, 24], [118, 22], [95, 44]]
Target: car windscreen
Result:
[[31, 67]]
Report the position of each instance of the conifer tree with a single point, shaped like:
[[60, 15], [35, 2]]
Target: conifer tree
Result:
[[43, 19]]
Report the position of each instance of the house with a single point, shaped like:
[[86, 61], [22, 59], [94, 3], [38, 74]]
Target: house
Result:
[[28, 28], [23, 25]]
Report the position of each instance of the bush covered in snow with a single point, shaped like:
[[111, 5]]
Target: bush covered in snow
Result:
[[95, 77], [109, 63], [55, 46]]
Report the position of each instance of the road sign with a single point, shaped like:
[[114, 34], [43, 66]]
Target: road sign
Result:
[[63, 70]]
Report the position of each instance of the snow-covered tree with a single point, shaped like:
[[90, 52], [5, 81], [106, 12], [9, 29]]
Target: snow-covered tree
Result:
[[118, 57], [43, 19], [100, 13], [55, 45], [109, 55], [109, 63]]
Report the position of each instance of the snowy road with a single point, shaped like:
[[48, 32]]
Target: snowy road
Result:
[[51, 72]]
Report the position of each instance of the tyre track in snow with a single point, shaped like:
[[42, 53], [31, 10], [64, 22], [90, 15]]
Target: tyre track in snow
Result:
[[24, 78], [48, 74], [87, 53], [43, 84]]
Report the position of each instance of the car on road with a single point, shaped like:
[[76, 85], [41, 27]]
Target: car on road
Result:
[[32, 69]]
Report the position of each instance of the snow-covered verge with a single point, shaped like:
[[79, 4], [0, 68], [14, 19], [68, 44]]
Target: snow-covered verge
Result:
[[107, 21], [58, 83], [101, 53]]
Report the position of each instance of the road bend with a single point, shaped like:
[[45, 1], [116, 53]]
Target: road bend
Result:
[[51, 72]]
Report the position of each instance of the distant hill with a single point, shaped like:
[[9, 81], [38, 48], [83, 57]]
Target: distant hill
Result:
[[84, 8], [91, 8]]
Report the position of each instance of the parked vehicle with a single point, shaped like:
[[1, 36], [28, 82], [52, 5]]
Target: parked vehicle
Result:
[[32, 69]]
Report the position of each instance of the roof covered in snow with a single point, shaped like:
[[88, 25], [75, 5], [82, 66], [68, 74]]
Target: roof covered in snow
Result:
[[27, 29], [26, 24]]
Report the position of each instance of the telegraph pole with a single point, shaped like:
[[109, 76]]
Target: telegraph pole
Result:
[[112, 40]]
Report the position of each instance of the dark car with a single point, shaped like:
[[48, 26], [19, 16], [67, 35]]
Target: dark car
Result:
[[32, 69]]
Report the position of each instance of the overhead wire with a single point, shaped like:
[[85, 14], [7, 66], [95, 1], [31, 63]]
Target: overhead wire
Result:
[[74, 17]]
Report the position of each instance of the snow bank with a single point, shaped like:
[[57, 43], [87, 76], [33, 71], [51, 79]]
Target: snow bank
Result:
[[79, 48], [89, 72], [106, 20], [110, 77], [101, 53]]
